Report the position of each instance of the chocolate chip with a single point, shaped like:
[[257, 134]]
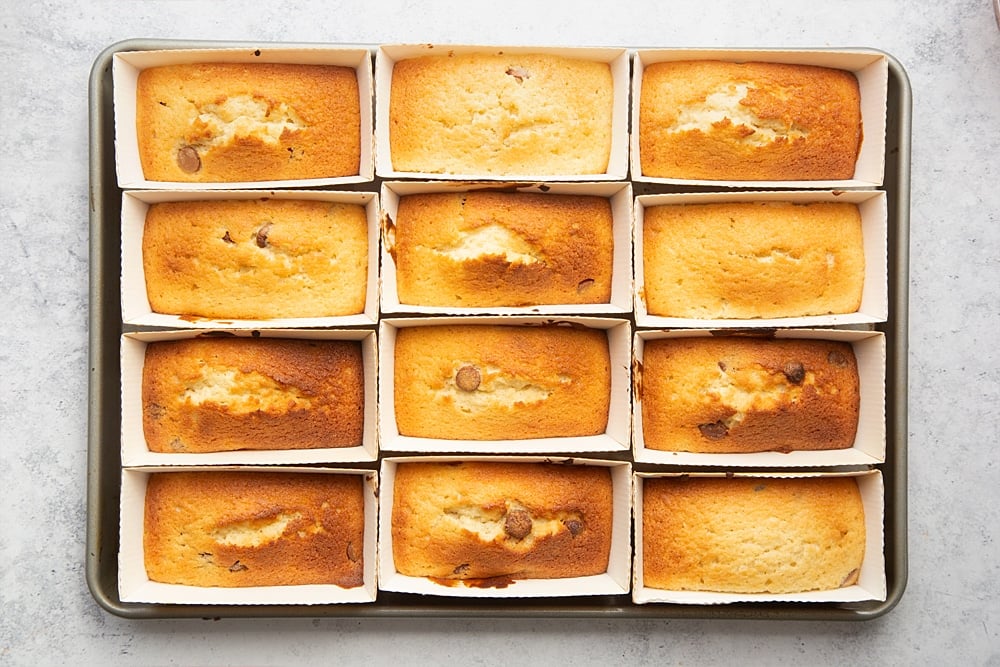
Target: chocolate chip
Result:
[[518, 73], [227, 238], [584, 285], [714, 431], [795, 372], [574, 526], [238, 567], [352, 552], [722, 366], [188, 160], [517, 524], [468, 378], [836, 358], [461, 569], [262, 235]]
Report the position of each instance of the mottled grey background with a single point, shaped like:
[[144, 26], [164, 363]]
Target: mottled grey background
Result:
[[949, 614]]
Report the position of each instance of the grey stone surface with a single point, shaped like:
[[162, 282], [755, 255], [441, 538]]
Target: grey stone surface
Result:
[[949, 613]]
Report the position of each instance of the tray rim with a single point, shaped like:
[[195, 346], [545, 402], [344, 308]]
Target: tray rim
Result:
[[102, 309]]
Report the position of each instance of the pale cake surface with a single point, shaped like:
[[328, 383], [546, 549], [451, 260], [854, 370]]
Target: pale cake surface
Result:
[[752, 535], [226, 394], [713, 120], [236, 529], [231, 122], [742, 395], [501, 521], [256, 259], [500, 382], [501, 114], [479, 249], [751, 260]]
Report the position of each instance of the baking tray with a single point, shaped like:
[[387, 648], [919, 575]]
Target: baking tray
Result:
[[104, 461]]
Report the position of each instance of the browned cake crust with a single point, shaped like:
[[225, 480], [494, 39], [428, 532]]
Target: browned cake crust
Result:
[[497, 382], [716, 120], [748, 260], [224, 394], [741, 395], [256, 259], [501, 114], [227, 122], [480, 249], [752, 535], [234, 529], [493, 521]]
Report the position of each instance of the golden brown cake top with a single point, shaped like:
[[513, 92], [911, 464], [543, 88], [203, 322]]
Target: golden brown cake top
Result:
[[749, 260], [716, 120], [501, 114], [752, 535], [224, 394], [256, 258], [227, 122], [234, 529], [478, 249], [740, 395], [501, 521], [501, 382]]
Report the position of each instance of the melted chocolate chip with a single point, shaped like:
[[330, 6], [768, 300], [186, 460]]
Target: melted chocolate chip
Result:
[[227, 238], [795, 372], [714, 431], [468, 378], [517, 524], [188, 159], [574, 526], [262, 235]]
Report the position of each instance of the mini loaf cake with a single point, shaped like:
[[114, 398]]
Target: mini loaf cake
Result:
[[501, 521], [500, 114], [742, 395], [477, 249], [224, 394], [234, 529], [751, 535], [747, 260], [713, 120], [256, 259], [501, 382], [226, 122]]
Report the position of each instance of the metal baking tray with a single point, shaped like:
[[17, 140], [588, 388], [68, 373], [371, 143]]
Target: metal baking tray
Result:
[[104, 460]]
